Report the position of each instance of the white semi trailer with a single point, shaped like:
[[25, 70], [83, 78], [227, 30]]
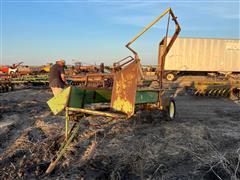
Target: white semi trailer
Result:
[[203, 55]]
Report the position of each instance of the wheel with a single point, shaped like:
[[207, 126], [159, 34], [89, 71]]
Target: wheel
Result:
[[170, 76], [171, 110], [235, 94], [7, 88], [11, 87], [4, 89]]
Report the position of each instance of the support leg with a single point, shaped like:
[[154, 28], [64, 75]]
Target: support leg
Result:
[[67, 125], [63, 148]]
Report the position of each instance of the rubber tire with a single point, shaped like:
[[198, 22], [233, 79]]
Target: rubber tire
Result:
[[12, 87], [170, 76], [7, 88], [171, 110], [4, 89]]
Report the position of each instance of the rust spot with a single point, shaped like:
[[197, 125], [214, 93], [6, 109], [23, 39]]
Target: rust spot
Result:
[[125, 87]]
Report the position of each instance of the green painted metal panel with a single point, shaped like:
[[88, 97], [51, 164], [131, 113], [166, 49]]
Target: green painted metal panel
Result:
[[146, 97], [76, 98], [79, 97], [106, 94], [97, 96]]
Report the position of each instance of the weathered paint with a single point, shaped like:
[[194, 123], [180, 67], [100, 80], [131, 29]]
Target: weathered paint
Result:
[[93, 112], [125, 88], [72, 97], [146, 96], [80, 97], [123, 105], [77, 98], [58, 103], [214, 88]]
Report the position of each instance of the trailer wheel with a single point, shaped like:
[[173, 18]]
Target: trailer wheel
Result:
[[171, 110], [170, 76], [235, 94]]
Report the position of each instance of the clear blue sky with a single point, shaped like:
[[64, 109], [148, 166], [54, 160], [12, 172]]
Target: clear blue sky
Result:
[[41, 31]]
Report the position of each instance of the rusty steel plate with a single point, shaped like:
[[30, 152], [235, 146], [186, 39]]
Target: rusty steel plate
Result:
[[124, 88]]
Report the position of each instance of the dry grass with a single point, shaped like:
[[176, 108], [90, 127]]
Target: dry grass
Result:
[[88, 154]]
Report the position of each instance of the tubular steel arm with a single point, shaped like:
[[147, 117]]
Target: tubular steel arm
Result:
[[144, 30], [163, 46]]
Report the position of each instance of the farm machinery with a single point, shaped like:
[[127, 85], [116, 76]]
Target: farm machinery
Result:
[[10, 69], [5, 84], [15, 75], [92, 80], [229, 88], [33, 70], [35, 80], [8, 83], [80, 69], [123, 99]]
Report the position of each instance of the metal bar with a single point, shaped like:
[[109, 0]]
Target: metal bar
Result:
[[67, 125], [164, 49], [117, 65], [168, 23], [127, 62], [92, 112], [149, 26], [62, 151], [124, 59]]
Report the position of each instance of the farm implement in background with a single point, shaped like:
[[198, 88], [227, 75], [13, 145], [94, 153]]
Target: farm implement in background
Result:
[[8, 83], [81, 68], [10, 69], [5, 84], [92, 80], [123, 99], [31, 80], [229, 88]]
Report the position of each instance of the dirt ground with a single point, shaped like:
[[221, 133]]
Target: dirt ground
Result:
[[203, 142]]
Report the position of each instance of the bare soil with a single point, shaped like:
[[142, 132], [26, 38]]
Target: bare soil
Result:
[[202, 143]]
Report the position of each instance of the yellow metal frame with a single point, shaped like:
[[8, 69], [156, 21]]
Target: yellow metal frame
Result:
[[146, 28], [164, 47], [86, 111], [169, 10], [92, 112], [64, 147]]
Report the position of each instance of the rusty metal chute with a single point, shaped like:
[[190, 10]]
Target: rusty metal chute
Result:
[[125, 88]]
